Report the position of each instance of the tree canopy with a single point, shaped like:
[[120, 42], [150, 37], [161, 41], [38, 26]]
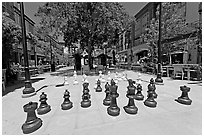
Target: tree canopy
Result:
[[11, 36], [83, 20]]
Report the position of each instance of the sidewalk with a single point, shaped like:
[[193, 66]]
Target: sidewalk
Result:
[[168, 118]]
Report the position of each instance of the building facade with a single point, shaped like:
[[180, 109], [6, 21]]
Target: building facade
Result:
[[13, 9], [133, 48]]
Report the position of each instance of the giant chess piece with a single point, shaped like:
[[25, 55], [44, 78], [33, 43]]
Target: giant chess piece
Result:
[[44, 107], [109, 78], [107, 99], [139, 81], [86, 102], [75, 78], [32, 122], [66, 80], [150, 102], [119, 77], [139, 95], [113, 109], [84, 80], [152, 88], [95, 86], [131, 108], [184, 99], [116, 78], [100, 75], [67, 104], [103, 79], [124, 77], [98, 88]]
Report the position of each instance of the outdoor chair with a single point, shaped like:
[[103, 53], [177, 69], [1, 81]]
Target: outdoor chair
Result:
[[178, 72]]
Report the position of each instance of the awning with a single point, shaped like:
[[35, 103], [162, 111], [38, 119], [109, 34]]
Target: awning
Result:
[[140, 48], [109, 57], [178, 52]]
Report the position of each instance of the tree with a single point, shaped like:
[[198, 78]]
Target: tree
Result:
[[91, 23], [11, 36]]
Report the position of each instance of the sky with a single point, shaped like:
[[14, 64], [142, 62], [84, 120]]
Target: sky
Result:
[[30, 8]]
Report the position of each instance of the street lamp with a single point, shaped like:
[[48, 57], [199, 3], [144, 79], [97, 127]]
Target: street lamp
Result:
[[159, 79], [29, 90], [52, 60]]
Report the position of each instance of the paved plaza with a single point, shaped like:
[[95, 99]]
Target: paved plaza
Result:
[[168, 118]]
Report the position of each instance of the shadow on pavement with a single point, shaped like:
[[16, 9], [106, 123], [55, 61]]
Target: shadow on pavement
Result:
[[18, 84]]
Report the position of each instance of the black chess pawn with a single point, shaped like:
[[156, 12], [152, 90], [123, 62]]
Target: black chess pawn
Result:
[[139, 95], [98, 88], [184, 99], [131, 108], [86, 102], [150, 102], [113, 109], [152, 88], [67, 104], [107, 99], [44, 107], [32, 122]]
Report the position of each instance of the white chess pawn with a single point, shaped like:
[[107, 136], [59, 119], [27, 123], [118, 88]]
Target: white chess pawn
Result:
[[84, 78], [109, 78], [66, 80], [95, 84], [75, 79], [124, 76], [100, 75], [119, 77], [103, 79], [116, 81], [116, 78], [139, 81]]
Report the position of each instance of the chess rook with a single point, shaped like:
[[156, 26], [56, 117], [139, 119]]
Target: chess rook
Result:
[[184, 99], [32, 122], [131, 108], [67, 104], [44, 107]]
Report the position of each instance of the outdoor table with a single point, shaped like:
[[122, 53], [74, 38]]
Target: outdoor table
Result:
[[186, 67]]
